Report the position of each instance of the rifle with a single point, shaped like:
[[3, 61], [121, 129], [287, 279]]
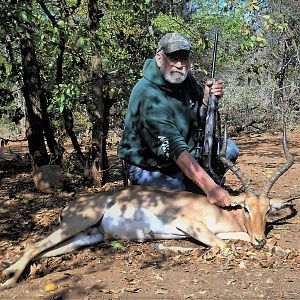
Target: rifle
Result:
[[209, 129]]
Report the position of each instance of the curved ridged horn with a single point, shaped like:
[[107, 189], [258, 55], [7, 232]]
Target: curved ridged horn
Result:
[[249, 189], [281, 169]]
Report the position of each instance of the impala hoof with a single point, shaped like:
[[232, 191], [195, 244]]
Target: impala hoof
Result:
[[8, 283], [9, 277]]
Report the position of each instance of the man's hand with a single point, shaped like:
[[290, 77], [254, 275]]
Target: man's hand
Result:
[[218, 196], [215, 88], [215, 194]]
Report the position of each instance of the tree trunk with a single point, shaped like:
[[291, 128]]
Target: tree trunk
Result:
[[32, 84], [97, 164], [55, 148], [69, 125]]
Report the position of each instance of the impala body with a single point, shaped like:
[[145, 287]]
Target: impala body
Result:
[[147, 213]]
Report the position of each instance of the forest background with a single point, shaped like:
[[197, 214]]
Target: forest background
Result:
[[67, 68]]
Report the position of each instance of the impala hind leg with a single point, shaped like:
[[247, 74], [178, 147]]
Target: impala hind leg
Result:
[[89, 237], [76, 218], [14, 272], [40, 249]]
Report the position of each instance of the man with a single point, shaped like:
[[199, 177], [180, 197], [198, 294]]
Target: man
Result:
[[160, 126]]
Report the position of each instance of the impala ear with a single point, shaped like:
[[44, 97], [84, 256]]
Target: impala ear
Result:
[[277, 204]]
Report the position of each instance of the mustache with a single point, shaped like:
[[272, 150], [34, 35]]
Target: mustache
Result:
[[178, 72]]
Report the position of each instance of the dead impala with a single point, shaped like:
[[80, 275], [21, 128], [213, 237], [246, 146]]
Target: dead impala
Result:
[[146, 213]]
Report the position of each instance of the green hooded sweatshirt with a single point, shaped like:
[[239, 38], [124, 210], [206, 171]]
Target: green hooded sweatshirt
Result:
[[161, 120]]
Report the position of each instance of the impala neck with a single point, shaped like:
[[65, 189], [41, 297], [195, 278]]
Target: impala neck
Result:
[[234, 214]]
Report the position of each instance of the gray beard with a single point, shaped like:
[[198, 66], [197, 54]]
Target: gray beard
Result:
[[176, 79]]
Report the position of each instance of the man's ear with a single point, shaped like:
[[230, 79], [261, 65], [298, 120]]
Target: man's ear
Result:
[[158, 58]]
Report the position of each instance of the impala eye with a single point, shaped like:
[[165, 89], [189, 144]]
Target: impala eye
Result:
[[246, 209]]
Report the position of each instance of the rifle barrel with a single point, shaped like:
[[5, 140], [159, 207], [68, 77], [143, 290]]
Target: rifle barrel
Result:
[[214, 54]]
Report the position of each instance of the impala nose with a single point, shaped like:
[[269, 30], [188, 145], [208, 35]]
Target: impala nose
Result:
[[259, 243]]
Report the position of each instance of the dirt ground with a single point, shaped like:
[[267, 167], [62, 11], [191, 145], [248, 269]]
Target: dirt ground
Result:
[[131, 270]]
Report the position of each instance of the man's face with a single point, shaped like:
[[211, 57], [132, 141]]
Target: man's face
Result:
[[174, 66]]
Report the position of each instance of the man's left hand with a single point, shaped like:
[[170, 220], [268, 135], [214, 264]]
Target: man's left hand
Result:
[[214, 88]]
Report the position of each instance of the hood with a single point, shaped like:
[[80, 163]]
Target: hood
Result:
[[152, 73]]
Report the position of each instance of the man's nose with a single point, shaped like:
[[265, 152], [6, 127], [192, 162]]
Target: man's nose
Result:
[[179, 64]]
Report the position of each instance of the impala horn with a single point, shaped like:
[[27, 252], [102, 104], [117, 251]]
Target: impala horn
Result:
[[281, 169], [249, 189]]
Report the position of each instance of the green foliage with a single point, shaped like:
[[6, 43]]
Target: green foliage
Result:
[[116, 245], [166, 23], [244, 103], [64, 96], [124, 39], [128, 34]]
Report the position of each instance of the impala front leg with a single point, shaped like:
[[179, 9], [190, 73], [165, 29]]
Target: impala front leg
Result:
[[201, 233]]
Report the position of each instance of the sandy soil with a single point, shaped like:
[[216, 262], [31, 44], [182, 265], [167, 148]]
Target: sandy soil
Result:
[[140, 270]]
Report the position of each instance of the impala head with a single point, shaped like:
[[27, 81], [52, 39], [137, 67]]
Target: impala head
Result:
[[254, 216], [257, 205]]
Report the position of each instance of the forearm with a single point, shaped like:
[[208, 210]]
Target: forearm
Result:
[[195, 172], [190, 167]]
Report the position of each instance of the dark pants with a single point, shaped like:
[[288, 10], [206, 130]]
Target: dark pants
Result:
[[173, 179]]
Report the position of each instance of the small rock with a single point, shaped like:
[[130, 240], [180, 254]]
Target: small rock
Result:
[[265, 264], [278, 251], [242, 265]]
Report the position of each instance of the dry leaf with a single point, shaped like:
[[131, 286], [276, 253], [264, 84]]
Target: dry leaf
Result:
[[272, 242], [132, 289], [188, 296], [269, 281], [33, 269], [161, 291], [202, 292], [251, 253], [109, 291], [266, 264], [231, 281], [158, 277], [226, 252], [277, 236]]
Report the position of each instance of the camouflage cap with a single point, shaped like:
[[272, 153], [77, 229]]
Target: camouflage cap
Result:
[[172, 42]]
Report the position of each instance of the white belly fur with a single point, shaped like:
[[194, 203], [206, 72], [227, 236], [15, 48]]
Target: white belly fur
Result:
[[136, 224]]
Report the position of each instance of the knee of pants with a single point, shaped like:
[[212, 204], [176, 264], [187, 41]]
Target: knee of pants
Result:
[[232, 151], [139, 176]]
